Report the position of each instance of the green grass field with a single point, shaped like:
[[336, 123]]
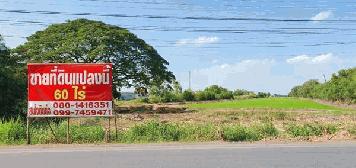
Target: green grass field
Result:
[[265, 103]]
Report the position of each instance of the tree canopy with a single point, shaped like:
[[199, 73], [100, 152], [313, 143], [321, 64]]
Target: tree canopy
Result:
[[12, 84], [341, 87], [135, 63]]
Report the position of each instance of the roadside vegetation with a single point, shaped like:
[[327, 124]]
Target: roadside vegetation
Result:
[[214, 113], [211, 122], [341, 88]]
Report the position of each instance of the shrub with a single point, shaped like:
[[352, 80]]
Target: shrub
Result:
[[154, 99], [253, 133], [188, 95], [200, 96], [352, 130], [248, 96], [168, 96], [12, 131], [225, 95], [209, 95], [240, 133], [200, 132], [279, 115], [151, 132], [263, 95], [310, 129], [241, 92], [267, 130]]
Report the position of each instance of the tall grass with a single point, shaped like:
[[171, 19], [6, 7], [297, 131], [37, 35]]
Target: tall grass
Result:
[[12, 131], [252, 133], [154, 131], [42, 134]]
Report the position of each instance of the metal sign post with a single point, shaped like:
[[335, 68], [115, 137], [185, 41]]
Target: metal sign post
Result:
[[68, 140], [116, 127], [28, 137], [109, 130]]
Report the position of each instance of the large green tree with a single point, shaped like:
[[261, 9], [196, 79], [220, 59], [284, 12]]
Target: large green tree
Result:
[[12, 85], [136, 64]]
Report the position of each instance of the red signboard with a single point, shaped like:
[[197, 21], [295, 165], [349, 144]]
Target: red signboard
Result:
[[69, 90]]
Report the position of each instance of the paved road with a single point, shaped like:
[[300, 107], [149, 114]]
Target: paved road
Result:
[[182, 156]]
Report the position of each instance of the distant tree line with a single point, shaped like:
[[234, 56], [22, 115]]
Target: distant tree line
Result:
[[341, 87], [214, 92]]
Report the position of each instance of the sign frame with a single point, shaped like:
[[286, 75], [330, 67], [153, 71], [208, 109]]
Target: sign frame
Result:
[[38, 95], [108, 99]]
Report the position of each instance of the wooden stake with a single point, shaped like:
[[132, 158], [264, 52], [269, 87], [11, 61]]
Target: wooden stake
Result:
[[68, 131], [28, 137]]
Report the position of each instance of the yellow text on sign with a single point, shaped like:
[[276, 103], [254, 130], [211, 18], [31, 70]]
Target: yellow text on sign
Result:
[[64, 94]]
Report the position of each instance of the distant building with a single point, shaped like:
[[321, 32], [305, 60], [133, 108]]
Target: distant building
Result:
[[128, 96]]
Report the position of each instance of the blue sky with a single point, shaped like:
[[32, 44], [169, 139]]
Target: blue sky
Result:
[[259, 45]]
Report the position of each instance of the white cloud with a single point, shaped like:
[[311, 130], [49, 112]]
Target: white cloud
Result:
[[322, 16], [214, 61], [267, 75], [319, 59], [314, 67], [198, 41], [254, 74]]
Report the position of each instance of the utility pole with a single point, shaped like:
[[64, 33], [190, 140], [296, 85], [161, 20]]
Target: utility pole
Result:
[[324, 78], [190, 80]]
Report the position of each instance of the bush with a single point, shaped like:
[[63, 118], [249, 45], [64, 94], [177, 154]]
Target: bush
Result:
[[200, 132], [200, 96], [165, 93], [263, 95], [240, 133], [352, 130], [253, 133], [213, 92], [267, 130], [225, 95], [209, 95], [241, 92], [310, 129], [188, 95], [154, 99], [162, 94], [12, 132], [243, 97]]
